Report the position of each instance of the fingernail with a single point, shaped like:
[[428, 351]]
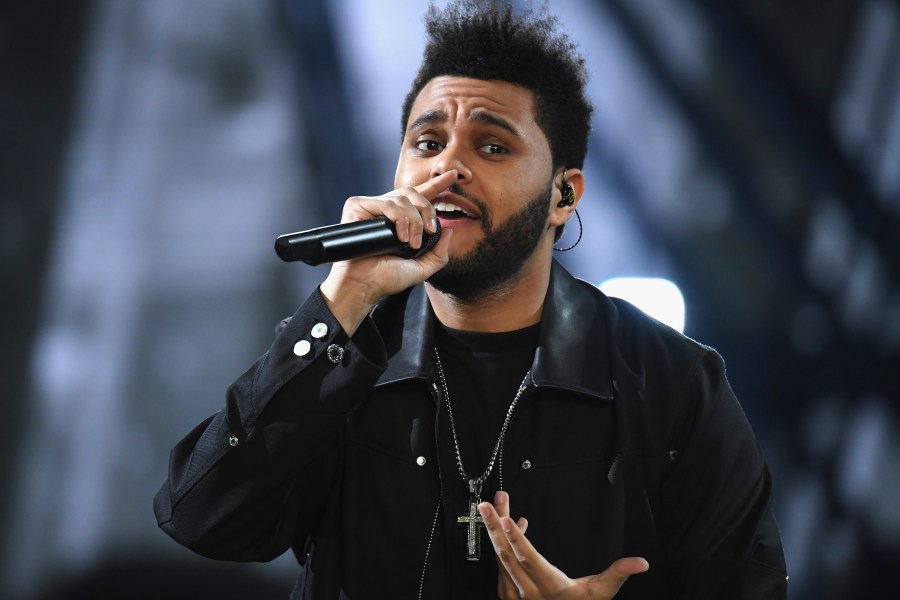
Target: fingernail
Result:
[[416, 241], [499, 498]]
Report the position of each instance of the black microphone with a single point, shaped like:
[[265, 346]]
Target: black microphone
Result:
[[345, 241]]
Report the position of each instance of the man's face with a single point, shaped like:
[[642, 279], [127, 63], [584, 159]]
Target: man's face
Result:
[[498, 209]]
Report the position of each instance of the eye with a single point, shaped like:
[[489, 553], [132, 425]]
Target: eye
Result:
[[429, 145], [494, 149]]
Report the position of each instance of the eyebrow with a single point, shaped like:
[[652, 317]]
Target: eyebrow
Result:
[[437, 116], [427, 118], [489, 119]]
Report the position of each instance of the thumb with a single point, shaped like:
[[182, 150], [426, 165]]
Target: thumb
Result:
[[612, 579], [626, 567], [437, 257]]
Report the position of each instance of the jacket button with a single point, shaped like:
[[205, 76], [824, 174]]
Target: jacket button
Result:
[[526, 465], [319, 330], [335, 353], [421, 461], [233, 441], [302, 348]]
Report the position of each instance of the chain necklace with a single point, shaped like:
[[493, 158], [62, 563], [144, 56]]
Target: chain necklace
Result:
[[472, 519]]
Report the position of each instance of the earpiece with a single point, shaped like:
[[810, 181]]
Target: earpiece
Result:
[[568, 199], [568, 194]]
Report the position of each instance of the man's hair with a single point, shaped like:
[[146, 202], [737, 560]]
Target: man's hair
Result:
[[484, 39]]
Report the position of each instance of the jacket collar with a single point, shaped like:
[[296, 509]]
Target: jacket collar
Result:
[[573, 344]]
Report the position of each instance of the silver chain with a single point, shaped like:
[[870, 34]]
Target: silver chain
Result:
[[509, 414]]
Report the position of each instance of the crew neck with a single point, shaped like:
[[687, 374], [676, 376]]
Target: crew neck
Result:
[[480, 341]]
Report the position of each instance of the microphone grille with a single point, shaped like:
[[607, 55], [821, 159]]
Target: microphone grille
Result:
[[430, 239]]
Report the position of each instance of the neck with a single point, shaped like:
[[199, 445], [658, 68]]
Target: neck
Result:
[[514, 306]]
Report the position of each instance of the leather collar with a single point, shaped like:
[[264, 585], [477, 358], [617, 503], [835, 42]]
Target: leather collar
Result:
[[573, 347]]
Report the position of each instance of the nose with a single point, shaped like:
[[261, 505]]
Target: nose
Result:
[[452, 158]]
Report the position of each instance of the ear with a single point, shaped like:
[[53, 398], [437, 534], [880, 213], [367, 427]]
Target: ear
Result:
[[559, 215]]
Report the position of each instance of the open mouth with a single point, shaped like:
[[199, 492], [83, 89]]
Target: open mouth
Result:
[[449, 211]]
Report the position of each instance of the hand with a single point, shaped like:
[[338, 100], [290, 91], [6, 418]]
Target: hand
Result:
[[525, 574], [354, 286]]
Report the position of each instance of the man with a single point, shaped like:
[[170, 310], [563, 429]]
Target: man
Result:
[[411, 408]]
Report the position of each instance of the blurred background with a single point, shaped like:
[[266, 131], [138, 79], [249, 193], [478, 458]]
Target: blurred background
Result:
[[150, 152]]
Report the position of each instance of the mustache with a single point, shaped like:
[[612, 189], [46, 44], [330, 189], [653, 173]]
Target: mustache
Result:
[[481, 206]]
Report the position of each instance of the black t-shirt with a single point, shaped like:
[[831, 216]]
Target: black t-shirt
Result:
[[483, 372]]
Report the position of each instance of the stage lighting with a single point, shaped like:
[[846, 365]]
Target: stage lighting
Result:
[[659, 298]]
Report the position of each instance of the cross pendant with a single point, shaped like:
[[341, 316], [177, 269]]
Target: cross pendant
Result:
[[472, 521]]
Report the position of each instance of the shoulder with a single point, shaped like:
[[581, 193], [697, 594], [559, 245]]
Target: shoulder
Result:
[[663, 379], [648, 348]]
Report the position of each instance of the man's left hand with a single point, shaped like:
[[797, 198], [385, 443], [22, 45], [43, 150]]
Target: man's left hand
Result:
[[524, 573]]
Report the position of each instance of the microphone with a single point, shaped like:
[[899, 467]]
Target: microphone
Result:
[[345, 241]]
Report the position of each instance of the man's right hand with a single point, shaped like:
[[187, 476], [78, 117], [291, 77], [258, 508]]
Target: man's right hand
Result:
[[353, 287]]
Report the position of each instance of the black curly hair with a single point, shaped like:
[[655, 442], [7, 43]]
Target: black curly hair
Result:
[[485, 39]]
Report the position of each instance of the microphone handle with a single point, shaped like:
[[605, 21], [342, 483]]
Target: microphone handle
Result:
[[345, 241]]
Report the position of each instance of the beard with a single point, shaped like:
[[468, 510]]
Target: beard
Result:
[[499, 257]]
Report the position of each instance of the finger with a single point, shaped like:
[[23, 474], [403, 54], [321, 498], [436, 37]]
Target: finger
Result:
[[410, 213], [527, 556], [396, 207], [436, 258], [501, 504], [545, 579], [505, 586], [429, 190], [419, 211], [412, 224], [523, 524], [529, 572], [409, 208], [434, 186], [505, 556]]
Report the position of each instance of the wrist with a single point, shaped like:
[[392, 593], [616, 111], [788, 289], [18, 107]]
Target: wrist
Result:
[[349, 302]]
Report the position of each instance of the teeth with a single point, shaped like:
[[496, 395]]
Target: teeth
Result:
[[447, 207]]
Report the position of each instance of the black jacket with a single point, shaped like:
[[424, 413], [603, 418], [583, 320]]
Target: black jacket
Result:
[[629, 442]]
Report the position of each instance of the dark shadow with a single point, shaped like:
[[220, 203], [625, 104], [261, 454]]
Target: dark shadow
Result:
[[160, 579]]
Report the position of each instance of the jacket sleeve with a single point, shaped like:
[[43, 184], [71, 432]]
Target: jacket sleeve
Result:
[[720, 537], [252, 479]]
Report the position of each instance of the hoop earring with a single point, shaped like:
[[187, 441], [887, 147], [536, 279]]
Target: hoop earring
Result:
[[580, 232]]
